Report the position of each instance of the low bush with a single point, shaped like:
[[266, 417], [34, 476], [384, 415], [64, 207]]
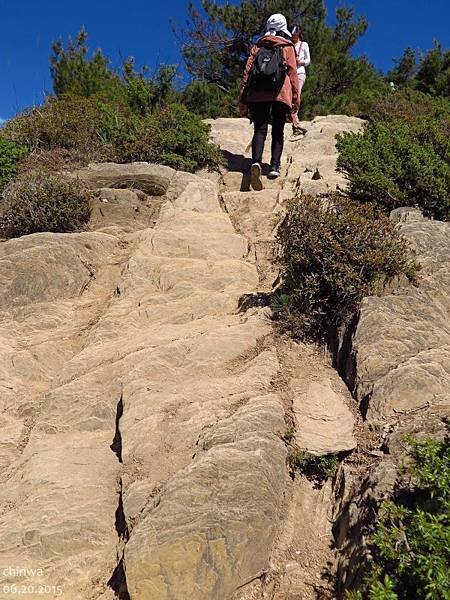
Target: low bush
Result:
[[69, 122], [42, 201], [10, 155], [331, 254], [411, 546], [408, 105], [58, 159], [171, 136], [316, 468], [402, 157], [100, 131], [395, 163]]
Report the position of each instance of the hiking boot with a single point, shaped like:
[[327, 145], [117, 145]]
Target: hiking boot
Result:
[[255, 177], [297, 130], [274, 173]]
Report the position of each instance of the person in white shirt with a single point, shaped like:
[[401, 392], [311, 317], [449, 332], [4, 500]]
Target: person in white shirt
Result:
[[303, 60]]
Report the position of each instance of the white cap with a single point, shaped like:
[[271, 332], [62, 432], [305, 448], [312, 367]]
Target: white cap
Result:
[[276, 23]]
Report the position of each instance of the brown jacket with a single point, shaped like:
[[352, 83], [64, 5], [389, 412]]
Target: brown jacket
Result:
[[289, 93]]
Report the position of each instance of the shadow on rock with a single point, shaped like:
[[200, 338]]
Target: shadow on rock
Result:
[[238, 163], [256, 300]]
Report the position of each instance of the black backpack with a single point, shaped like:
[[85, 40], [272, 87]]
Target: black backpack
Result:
[[268, 70]]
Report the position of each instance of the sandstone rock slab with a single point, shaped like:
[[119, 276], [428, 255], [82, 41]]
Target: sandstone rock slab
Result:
[[324, 421], [151, 179], [401, 347], [208, 523]]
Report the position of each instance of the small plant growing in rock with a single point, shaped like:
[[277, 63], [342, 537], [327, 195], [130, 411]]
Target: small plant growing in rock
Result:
[[41, 201], [318, 468], [281, 303], [289, 434]]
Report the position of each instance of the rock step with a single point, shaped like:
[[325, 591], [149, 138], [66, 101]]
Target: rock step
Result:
[[324, 422]]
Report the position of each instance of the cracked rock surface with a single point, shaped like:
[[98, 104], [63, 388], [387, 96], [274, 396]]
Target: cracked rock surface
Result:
[[147, 317], [140, 424]]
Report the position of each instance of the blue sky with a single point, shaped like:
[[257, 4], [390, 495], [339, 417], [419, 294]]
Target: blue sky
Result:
[[141, 28]]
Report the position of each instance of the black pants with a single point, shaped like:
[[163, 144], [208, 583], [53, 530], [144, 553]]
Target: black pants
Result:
[[262, 114]]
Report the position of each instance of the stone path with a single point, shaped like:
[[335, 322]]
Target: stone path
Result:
[[142, 413]]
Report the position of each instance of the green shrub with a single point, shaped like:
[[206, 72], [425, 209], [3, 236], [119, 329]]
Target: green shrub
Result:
[[69, 122], [42, 201], [331, 255], [172, 136], [58, 159], [396, 163], [115, 123], [10, 155], [403, 155], [314, 467], [101, 114], [101, 131], [408, 105], [411, 545]]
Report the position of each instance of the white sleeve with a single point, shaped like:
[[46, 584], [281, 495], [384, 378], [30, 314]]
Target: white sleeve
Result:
[[306, 55]]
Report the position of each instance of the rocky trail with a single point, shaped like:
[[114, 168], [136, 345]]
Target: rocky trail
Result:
[[146, 396]]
